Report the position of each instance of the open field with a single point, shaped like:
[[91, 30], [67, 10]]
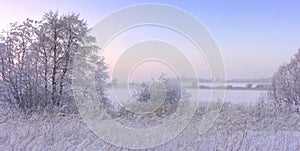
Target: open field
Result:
[[238, 127]]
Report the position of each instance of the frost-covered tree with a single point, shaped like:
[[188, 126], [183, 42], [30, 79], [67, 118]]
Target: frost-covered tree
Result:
[[286, 82], [37, 59], [62, 37], [101, 76], [17, 61]]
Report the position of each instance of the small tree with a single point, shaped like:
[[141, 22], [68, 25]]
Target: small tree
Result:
[[173, 94], [286, 82]]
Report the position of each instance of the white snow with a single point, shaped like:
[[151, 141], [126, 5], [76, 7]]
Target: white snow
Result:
[[237, 128]]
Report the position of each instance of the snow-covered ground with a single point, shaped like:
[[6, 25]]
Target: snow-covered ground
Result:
[[238, 127]]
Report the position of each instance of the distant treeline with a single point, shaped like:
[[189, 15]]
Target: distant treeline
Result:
[[237, 80]]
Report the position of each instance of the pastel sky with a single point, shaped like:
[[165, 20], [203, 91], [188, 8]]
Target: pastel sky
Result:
[[255, 37]]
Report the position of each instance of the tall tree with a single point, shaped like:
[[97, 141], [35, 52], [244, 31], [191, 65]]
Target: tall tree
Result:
[[37, 58]]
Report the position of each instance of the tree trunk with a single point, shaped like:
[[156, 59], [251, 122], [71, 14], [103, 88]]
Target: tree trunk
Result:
[[3, 69], [54, 70]]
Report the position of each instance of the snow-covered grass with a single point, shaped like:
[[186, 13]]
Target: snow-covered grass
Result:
[[239, 127]]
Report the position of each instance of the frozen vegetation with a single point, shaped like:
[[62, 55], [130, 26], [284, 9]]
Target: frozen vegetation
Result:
[[263, 127]]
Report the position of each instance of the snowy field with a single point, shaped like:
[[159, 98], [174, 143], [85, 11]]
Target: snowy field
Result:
[[239, 127]]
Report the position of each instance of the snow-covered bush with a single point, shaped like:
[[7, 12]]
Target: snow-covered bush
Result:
[[286, 83], [171, 86], [168, 88]]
